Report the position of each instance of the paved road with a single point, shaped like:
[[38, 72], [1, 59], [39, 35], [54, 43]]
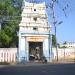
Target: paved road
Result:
[[39, 69]]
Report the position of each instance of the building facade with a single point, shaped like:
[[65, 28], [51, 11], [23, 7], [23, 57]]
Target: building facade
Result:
[[68, 45], [34, 32]]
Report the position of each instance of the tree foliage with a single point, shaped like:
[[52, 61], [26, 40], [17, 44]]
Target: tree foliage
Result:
[[9, 18], [53, 41]]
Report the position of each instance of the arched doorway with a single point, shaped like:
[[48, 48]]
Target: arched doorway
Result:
[[35, 50]]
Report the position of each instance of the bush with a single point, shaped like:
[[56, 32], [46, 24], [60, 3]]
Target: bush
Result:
[[4, 63]]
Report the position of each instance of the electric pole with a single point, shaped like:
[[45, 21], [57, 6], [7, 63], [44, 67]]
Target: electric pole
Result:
[[52, 5]]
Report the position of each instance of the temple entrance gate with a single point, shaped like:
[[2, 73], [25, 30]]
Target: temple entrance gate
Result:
[[35, 50]]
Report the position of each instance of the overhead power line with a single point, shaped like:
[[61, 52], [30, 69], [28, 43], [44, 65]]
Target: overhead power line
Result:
[[52, 7]]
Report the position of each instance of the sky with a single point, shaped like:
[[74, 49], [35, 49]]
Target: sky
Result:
[[66, 30]]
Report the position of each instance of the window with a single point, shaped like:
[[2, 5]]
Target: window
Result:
[[35, 18], [34, 9], [35, 28]]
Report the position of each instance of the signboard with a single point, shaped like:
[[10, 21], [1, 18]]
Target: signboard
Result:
[[35, 38]]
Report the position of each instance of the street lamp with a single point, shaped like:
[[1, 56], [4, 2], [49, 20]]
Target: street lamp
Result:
[[55, 25]]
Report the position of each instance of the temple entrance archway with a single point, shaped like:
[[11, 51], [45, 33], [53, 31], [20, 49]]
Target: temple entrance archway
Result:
[[35, 50]]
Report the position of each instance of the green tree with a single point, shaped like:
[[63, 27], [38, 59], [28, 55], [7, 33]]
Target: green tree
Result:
[[65, 43], [53, 41], [9, 18]]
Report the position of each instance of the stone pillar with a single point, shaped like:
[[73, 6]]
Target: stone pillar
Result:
[[27, 50], [46, 49], [22, 53]]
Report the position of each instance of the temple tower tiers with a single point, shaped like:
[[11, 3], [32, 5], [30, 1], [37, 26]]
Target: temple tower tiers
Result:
[[33, 32]]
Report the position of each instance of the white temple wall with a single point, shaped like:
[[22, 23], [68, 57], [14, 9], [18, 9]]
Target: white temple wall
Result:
[[8, 55], [22, 46], [46, 48]]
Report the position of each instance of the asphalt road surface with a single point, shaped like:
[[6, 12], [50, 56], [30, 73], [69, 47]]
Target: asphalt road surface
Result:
[[38, 69]]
